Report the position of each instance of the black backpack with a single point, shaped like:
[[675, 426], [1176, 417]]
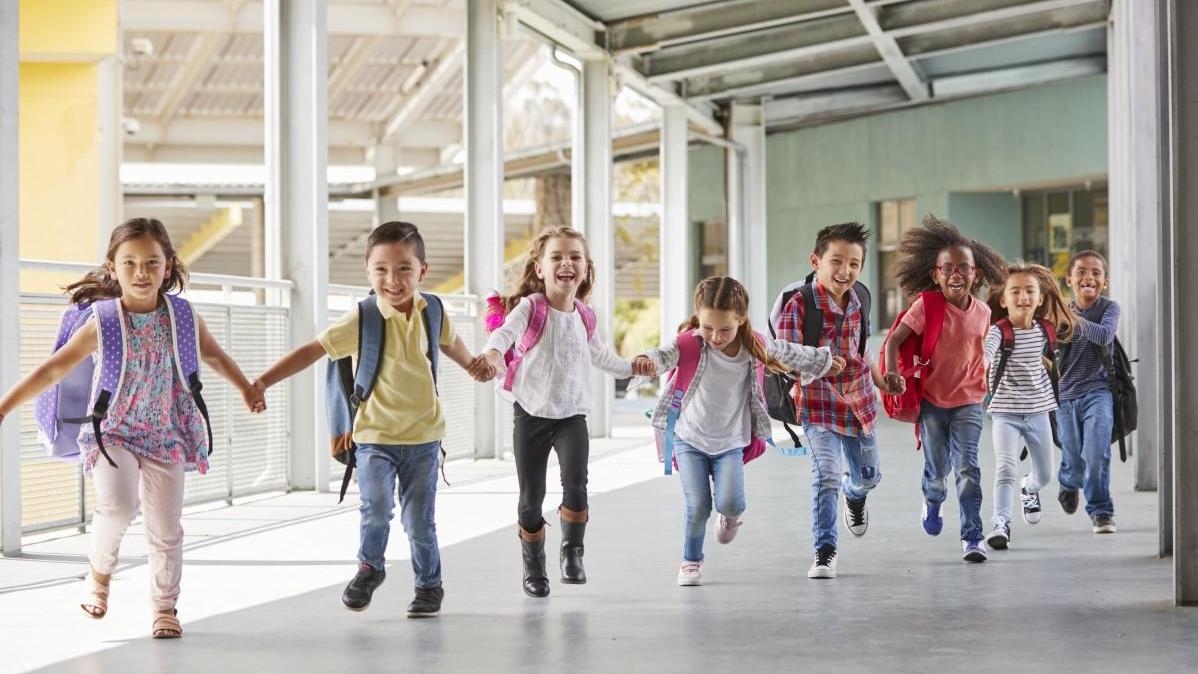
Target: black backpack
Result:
[[1123, 387], [778, 385]]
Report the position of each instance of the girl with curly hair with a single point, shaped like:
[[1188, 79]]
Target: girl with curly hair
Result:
[[945, 272]]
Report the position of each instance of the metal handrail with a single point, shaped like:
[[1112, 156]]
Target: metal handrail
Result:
[[194, 278]]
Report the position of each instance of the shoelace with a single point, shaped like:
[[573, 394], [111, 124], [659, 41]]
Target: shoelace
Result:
[[1031, 502], [857, 512], [823, 556], [690, 567]]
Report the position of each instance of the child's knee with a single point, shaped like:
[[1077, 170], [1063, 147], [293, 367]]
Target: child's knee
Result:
[[870, 477], [698, 513], [730, 506]]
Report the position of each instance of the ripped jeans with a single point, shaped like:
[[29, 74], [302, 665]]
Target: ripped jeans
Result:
[[827, 479]]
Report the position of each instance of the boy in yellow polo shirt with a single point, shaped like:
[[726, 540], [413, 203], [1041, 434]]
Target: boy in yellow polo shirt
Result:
[[398, 428]]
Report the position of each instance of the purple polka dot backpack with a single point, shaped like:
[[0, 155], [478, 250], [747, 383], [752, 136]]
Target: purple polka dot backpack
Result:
[[83, 396]]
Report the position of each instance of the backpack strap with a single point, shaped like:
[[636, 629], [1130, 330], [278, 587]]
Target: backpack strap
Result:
[[185, 342], [110, 325], [933, 322], [866, 302], [537, 315], [1051, 352], [587, 314], [813, 316], [1006, 346], [371, 342], [689, 347], [433, 314]]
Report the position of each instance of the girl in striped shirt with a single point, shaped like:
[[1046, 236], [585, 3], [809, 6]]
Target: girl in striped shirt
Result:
[[1022, 393]]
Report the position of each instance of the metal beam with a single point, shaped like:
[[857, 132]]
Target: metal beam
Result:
[[889, 50], [226, 154], [199, 61], [10, 286], [935, 15], [676, 250], [483, 111], [296, 206], [1019, 77], [414, 104], [343, 19], [238, 131], [430, 133], [595, 185], [648, 33], [562, 24], [701, 114], [1182, 275], [821, 106], [219, 225], [356, 57]]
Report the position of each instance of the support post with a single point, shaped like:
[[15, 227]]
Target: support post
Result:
[[676, 249], [10, 290], [596, 170], [748, 251]]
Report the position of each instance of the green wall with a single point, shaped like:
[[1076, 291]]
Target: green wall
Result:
[[958, 160]]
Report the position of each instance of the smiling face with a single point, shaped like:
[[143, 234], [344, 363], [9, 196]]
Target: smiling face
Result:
[[955, 273], [839, 267], [563, 266], [718, 327], [140, 267], [1021, 297], [1087, 279], [395, 273]]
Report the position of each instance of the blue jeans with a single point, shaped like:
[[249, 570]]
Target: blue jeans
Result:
[[827, 480], [1085, 427], [1011, 433], [950, 441], [414, 467], [699, 471]]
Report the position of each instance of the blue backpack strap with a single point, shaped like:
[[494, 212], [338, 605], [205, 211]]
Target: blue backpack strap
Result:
[[370, 349], [110, 331], [434, 312], [185, 342], [684, 373], [866, 302]]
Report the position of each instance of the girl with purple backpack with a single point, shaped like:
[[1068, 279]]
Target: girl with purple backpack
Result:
[[712, 415], [152, 431], [545, 345]]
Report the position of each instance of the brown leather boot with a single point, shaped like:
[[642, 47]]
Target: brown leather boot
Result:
[[536, 582], [574, 528]]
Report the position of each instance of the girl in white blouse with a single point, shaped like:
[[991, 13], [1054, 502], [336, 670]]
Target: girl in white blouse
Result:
[[549, 338]]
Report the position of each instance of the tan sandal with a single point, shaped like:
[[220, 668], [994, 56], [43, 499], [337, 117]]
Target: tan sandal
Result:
[[166, 625], [95, 605]]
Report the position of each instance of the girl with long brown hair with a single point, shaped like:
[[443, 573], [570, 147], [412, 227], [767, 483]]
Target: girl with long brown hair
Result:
[[1030, 316], [548, 333], [153, 430], [722, 412]]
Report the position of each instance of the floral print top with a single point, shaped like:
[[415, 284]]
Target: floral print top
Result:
[[153, 415]]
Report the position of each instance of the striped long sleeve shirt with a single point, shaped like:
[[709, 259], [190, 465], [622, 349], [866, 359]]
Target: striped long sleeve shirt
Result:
[[1082, 370]]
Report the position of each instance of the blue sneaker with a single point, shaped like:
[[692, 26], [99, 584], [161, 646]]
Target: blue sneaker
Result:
[[975, 551], [933, 522]]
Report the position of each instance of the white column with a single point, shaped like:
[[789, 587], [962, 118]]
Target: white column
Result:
[[385, 159], [111, 136], [676, 249], [484, 190], [296, 204], [747, 247], [595, 167], [10, 293], [1182, 242]]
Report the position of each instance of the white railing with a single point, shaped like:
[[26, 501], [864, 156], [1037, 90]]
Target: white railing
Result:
[[248, 317], [455, 387]]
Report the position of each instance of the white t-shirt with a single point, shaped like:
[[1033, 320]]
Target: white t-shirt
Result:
[[1025, 387], [554, 379], [717, 417]]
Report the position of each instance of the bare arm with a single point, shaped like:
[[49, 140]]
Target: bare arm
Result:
[[223, 364], [49, 373], [296, 361], [893, 380]]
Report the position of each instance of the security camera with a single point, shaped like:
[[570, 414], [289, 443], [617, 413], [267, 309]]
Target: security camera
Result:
[[130, 126], [141, 46]]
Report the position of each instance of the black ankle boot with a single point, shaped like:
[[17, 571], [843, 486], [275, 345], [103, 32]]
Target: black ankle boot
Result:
[[574, 528], [536, 582]]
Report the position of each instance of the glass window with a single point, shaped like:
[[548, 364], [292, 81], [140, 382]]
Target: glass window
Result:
[[894, 218], [1060, 223]]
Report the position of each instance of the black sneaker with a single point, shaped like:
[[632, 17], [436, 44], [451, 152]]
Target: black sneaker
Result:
[[856, 516], [427, 603], [359, 591], [1068, 500], [1104, 524]]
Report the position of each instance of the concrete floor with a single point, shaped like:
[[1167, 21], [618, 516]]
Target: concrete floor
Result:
[[262, 583]]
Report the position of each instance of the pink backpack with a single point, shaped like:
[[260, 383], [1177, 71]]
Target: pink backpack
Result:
[[493, 319], [689, 345]]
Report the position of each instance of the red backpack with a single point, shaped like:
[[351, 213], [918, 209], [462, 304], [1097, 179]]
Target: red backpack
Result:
[[914, 361]]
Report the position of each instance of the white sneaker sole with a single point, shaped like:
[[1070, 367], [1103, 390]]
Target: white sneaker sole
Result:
[[1032, 518], [820, 572], [1108, 529], [689, 582]]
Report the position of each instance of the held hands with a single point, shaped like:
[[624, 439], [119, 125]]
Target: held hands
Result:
[[836, 367], [893, 383], [643, 366], [485, 366], [255, 397]]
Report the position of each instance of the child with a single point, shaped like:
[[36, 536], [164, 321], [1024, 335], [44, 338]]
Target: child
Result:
[[950, 269], [723, 410], [550, 388], [153, 431], [398, 428], [1022, 393], [838, 413], [1087, 407]]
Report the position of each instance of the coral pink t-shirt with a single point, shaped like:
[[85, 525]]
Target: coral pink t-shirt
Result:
[[957, 375]]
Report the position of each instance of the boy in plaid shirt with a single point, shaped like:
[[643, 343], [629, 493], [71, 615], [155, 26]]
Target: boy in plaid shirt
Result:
[[837, 413]]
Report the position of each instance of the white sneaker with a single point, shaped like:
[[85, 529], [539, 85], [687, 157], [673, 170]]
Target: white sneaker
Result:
[[690, 574], [726, 528], [1031, 504], [824, 565], [856, 517], [1000, 538]]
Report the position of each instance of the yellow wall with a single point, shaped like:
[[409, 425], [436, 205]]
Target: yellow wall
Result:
[[68, 30], [61, 171]]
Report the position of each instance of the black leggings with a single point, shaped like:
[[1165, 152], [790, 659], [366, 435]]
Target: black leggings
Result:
[[533, 438]]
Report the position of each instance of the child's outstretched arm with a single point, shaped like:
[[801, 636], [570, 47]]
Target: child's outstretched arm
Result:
[[296, 361], [605, 358], [224, 365], [892, 377], [476, 366], [809, 362], [61, 362], [1101, 333]]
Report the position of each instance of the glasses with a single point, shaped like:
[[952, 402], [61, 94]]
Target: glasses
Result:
[[963, 269]]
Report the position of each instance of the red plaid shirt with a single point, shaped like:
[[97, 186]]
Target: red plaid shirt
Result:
[[844, 404]]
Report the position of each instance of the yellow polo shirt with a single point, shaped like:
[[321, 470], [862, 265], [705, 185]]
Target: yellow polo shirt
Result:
[[403, 408]]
